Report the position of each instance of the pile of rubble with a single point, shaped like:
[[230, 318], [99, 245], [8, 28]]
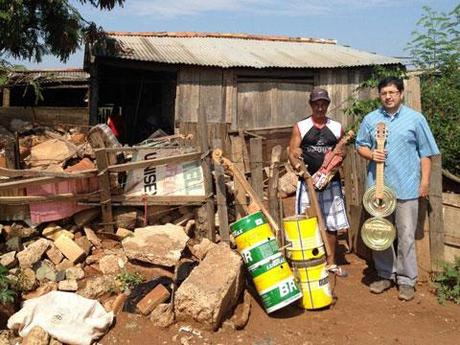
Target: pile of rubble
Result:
[[161, 271]]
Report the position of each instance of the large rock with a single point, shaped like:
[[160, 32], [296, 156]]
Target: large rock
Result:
[[212, 289], [157, 244], [33, 252]]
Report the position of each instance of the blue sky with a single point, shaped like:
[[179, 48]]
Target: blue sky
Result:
[[380, 26]]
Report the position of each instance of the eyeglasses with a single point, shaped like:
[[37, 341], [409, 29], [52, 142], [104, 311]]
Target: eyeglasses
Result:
[[389, 93]]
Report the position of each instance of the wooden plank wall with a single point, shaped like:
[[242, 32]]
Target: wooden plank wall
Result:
[[210, 91], [48, 116]]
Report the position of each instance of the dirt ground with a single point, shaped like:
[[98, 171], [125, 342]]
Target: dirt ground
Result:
[[357, 317]]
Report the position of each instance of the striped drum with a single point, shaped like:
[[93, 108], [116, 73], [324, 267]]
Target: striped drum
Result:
[[254, 238], [271, 274], [275, 283], [314, 283], [303, 235]]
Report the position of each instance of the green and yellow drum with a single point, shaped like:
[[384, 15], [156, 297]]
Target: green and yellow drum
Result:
[[275, 283], [313, 279], [254, 238], [303, 235], [270, 272]]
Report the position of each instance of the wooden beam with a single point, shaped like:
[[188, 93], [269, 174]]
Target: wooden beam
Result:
[[273, 200], [37, 173], [102, 162], [241, 201], [208, 207], [256, 164], [436, 215], [127, 199], [93, 94], [29, 199], [221, 197]]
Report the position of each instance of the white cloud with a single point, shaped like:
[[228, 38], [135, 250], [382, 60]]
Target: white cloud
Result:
[[294, 8]]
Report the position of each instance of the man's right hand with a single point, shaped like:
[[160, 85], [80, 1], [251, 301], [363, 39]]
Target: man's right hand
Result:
[[378, 156]]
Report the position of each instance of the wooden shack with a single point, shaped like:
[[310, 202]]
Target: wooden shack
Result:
[[225, 88], [48, 97]]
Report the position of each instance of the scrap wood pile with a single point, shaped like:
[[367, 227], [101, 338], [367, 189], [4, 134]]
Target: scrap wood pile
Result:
[[153, 264], [57, 246]]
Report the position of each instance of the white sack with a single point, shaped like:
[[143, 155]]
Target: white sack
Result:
[[68, 317]]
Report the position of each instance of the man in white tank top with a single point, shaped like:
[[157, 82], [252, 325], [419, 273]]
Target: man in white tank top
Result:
[[311, 139]]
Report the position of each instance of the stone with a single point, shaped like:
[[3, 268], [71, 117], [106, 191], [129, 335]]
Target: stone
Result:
[[68, 285], [95, 287], [157, 295], [26, 279], [33, 252], [41, 290], [241, 315], [36, 336], [92, 237], [69, 248], [162, 316], [51, 151], [77, 138], [126, 217], [14, 244], [112, 264], [17, 230], [46, 271], [94, 257], [9, 259], [123, 233], [65, 264], [84, 244], [157, 244], [76, 273], [5, 336], [53, 231], [54, 254], [201, 249], [85, 217], [212, 289]]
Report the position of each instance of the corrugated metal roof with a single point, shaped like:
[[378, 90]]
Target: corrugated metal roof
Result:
[[230, 50], [49, 76]]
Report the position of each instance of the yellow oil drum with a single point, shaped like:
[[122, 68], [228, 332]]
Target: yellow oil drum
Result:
[[313, 279], [303, 235], [275, 283], [254, 239]]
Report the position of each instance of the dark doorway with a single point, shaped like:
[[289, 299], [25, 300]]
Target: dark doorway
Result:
[[145, 100]]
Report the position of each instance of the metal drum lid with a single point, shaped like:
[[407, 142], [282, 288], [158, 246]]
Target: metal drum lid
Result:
[[378, 233], [379, 208]]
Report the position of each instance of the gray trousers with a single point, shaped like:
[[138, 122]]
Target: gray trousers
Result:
[[401, 265]]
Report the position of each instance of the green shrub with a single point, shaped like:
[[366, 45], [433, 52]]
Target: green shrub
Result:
[[7, 295], [128, 280], [447, 282]]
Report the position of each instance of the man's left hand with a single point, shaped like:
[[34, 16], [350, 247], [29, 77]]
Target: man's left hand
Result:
[[424, 189]]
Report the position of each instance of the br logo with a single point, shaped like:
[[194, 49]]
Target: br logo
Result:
[[287, 287]]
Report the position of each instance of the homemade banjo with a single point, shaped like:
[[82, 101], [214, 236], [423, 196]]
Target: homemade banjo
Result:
[[380, 201]]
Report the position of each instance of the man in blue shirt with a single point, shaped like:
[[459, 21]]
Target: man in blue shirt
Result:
[[407, 156]]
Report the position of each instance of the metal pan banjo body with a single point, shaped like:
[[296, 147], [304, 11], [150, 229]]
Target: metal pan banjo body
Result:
[[379, 207], [379, 201], [378, 233]]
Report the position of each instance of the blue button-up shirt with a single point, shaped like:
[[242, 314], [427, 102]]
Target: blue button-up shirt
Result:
[[409, 139]]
